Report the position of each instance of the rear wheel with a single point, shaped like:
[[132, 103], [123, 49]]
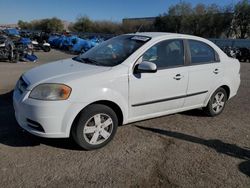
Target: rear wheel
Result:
[[95, 127], [216, 103], [46, 48], [15, 57]]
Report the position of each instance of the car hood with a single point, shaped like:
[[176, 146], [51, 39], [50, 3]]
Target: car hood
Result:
[[56, 71]]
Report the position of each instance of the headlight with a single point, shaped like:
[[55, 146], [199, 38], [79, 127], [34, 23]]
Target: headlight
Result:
[[50, 92]]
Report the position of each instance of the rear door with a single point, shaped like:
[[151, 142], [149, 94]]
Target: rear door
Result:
[[205, 72]]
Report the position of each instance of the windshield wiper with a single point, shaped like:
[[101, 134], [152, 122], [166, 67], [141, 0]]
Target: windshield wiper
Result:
[[78, 59], [89, 60], [86, 60]]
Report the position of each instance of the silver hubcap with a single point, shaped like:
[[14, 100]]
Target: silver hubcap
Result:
[[98, 129], [218, 102]]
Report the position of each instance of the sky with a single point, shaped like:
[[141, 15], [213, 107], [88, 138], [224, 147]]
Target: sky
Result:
[[114, 10]]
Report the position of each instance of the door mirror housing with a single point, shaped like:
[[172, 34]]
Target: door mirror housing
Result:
[[145, 67]]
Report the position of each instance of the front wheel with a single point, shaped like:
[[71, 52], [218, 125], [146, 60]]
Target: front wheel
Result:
[[95, 127], [216, 103]]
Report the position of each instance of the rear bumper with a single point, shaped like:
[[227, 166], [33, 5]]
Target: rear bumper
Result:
[[236, 85]]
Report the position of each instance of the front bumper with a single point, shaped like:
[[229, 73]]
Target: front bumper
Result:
[[55, 117]]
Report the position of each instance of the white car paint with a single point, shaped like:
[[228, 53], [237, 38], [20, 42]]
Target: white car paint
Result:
[[2, 45], [118, 84], [34, 42], [46, 44]]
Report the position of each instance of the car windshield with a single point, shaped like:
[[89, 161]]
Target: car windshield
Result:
[[113, 51]]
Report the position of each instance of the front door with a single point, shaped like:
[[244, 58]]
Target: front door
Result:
[[152, 93]]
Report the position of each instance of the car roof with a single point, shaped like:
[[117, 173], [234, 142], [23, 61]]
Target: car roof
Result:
[[162, 34], [153, 34]]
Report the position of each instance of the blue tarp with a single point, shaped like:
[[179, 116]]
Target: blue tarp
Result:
[[25, 41], [32, 58], [12, 32], [73, 43], [81, 45], [52, 39]]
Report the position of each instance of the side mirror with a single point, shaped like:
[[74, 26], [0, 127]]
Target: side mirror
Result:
[[145, 67]]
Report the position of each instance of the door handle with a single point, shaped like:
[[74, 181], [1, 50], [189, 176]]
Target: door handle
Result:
[[178, 77], [216, 71]]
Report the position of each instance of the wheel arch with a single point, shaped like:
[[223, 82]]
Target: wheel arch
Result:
[[114, 106], [224, 86], [227, 89]]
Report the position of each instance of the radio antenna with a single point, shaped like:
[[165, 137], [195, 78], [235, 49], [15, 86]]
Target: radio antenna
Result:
[[138, 30]]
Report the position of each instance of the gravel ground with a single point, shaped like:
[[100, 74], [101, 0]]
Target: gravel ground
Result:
[[10, 72], [182, 150]]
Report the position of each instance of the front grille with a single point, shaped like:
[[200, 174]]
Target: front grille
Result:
[[34, 125], [22, 85]]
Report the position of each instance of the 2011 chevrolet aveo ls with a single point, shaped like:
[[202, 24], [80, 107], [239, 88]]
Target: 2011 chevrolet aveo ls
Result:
[[125, 79]]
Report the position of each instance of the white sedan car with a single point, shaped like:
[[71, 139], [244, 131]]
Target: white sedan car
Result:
[[125, 79]]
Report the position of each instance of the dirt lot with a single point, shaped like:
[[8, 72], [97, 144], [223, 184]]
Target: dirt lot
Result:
[[181, 150], [10, 72]]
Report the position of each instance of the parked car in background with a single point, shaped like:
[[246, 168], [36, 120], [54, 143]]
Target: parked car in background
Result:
[[25, 49], [8, 50], [12, 32], [236, 48], [39, 41], [41, 46], [125, 79], [243, 54]]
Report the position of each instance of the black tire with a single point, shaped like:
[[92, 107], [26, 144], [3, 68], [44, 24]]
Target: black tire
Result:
[[209, 108], [15, 58], [86, 117], [46, 48]]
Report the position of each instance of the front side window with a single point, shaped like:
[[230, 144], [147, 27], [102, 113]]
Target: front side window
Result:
[[169, 53], [113, 51], [201, 52]]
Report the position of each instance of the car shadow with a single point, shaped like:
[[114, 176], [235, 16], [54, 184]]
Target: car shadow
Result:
[[12, 135], [219, 146], [4, 61], [195, 112]]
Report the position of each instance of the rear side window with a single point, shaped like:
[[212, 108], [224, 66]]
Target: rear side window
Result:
[[201, 52]]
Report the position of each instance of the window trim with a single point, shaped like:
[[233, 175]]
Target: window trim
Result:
[[187, 55], [216, 55], [169, 67]]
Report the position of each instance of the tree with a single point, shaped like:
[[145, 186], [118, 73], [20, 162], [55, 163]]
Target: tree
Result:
[[200, 9], [168, 24], [47, 25], [23, 25], [53, 25], [201, 20], [107, 27], [181, 9], [137, 25], [82, 24], [241, 23]]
